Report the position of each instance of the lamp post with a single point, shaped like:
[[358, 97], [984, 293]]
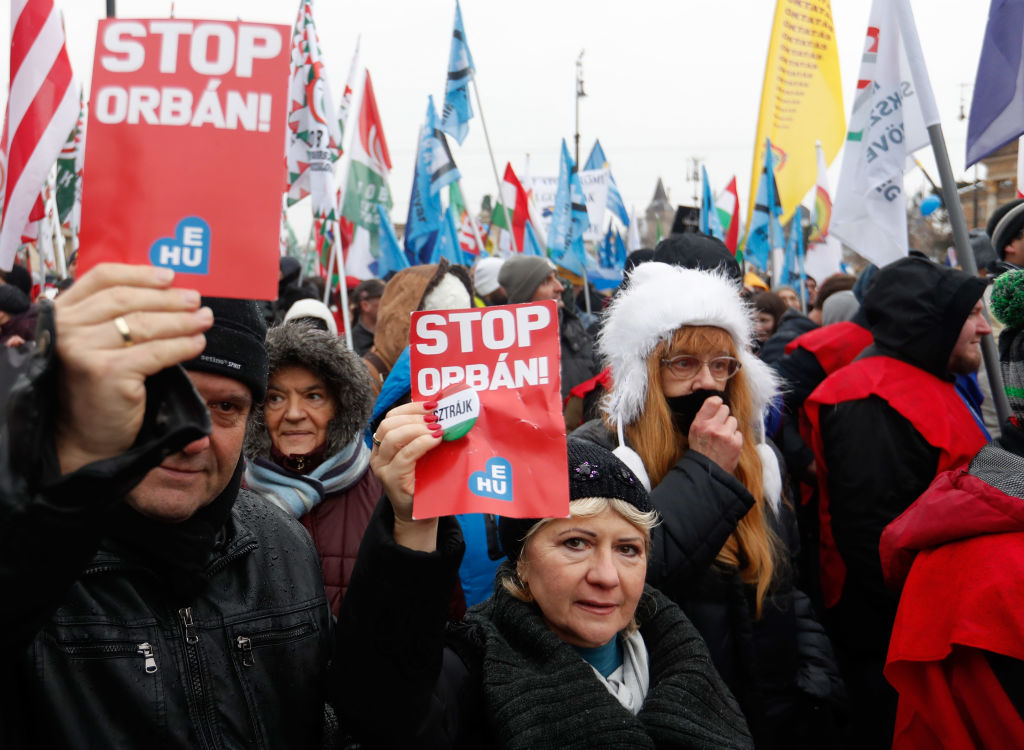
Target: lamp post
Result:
[[580, 93]]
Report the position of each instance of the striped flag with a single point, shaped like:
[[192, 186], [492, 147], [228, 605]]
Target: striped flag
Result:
[[728, 205], [41, 111]]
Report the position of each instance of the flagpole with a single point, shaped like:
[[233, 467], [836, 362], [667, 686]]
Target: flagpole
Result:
[[950, 196], [343, 287], [494, 166]]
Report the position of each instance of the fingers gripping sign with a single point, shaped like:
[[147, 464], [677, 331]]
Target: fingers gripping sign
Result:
[[715, 433], [404, 436], [115, 327]]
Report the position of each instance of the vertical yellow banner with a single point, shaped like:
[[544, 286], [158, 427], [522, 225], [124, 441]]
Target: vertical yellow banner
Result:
[[801, 100]]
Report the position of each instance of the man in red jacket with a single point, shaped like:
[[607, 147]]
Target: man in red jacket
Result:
[[881, 428], [959, 667]]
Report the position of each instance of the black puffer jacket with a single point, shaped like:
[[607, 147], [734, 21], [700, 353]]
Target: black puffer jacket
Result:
[[780, 667], [100, 650]]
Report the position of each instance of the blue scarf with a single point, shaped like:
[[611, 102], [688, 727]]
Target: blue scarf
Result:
[[299, 493]]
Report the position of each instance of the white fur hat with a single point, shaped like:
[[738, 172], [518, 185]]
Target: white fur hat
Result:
[[658, 300], [312, 308]]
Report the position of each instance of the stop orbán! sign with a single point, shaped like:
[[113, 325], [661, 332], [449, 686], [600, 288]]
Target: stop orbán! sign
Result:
[[184, 164]]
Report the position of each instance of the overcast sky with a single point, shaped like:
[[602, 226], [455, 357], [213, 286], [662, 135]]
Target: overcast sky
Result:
[[666, 80]]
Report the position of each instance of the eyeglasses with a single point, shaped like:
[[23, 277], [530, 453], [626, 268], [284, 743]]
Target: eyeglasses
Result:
[[686, 366]]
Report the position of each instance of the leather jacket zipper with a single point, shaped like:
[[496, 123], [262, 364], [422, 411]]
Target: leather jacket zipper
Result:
[[104, 650], [246, 643], [197, 704]]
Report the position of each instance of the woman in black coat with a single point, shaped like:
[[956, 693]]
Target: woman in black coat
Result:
[[572, 651], [686, 413]]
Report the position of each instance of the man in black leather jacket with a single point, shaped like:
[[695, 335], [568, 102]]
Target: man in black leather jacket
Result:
[[148, 601]]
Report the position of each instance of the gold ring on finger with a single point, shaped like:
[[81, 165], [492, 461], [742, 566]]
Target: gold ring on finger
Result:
[[122, 327], [376, 442]]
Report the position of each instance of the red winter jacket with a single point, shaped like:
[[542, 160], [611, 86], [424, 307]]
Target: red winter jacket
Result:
[[958, 551]]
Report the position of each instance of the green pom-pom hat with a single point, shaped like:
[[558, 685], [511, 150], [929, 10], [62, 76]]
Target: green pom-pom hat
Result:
[[1008, 299]]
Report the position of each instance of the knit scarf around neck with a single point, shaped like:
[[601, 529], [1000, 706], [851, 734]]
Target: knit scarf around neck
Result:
[[540, 695], [300, 493]]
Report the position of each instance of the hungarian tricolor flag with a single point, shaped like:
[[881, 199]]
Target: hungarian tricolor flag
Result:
[[367, 186], [728, 205], [514, 201], [467, 235]]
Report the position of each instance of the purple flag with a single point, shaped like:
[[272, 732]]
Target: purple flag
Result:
[[997, 107]]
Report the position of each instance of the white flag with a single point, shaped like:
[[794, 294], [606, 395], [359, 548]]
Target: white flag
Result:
[[633, 241], [886, 127], [824, 252]]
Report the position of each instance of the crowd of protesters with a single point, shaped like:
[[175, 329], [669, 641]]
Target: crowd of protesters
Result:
[[794, 521]]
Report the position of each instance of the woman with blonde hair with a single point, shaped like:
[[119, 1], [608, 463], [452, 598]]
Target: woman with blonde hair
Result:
[[572, 650], [686, 413]]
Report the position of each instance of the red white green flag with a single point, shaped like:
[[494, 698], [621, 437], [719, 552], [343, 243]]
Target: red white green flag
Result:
[[367, 186], [515, 203], [314, 140], [466, 232], [728, 205]]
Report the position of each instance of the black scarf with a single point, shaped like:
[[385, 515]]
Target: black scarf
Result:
[[539, 694], [178, 552], [684, 408]]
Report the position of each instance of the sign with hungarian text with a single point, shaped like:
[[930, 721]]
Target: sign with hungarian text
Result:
[[185, 152], [494, 374]]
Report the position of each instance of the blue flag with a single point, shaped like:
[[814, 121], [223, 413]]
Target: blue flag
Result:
[[765, 231], [620, 251], [458, 110], [443, 171], [997, 106], [611, 260], [568, 219], [425, 215], [605, 251], [391, 259], [709, 221], [531, 245], [794, 249], [447, 244], [597, 160]]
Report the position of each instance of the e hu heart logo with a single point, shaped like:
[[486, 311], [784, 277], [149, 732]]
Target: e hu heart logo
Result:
[[495, 482], [188, 251]]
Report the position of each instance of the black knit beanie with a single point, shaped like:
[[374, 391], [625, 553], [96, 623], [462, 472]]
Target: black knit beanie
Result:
[[1004, 224], [594, 471], [234, 344], [12, 300], [700, 251]]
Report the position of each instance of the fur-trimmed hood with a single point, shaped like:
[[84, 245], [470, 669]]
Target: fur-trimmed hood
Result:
[[404, 294], [658, 300], [328, 358]]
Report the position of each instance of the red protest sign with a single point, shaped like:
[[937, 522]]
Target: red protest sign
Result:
[[495, 374], [184, 159]]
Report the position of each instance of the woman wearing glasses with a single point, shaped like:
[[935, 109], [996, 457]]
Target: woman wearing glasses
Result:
[[686, 412]]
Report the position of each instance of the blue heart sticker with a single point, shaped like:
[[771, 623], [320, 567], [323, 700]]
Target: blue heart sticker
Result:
[[188, 251], [495, 482]]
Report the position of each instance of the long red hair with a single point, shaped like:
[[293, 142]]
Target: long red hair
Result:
[[752, 546]]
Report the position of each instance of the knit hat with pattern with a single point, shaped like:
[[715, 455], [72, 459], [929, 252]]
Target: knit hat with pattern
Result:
[[594, 471]]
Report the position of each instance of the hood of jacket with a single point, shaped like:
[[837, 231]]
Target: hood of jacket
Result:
[[915, 309], [404, 294], [343, 373], [959, 504]]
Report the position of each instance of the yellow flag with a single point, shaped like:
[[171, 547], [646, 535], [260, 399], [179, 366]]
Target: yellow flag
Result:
[[801, 101]]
